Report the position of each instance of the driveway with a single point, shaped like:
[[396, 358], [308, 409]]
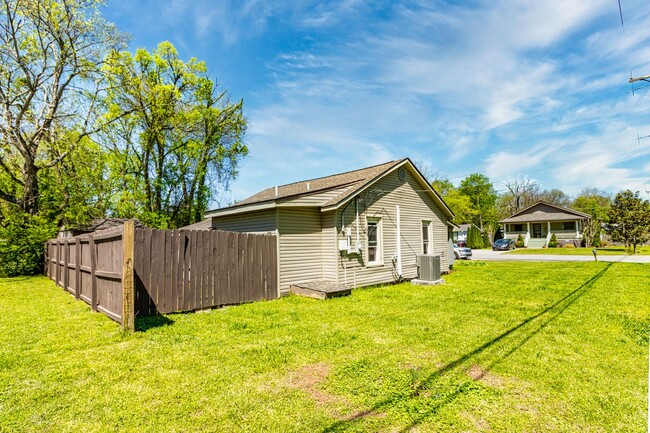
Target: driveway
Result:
[[505, 256]]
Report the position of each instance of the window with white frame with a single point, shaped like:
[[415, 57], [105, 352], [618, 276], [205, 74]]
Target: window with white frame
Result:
[[427, 247], [374, 241]]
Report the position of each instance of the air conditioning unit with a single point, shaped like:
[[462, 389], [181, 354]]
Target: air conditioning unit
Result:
[[428, 267]]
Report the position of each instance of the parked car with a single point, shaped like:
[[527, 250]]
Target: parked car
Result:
[[462, 252], [503, 245]]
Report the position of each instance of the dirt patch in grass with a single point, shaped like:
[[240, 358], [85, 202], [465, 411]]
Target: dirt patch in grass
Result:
[[309, 377], [478, 373]]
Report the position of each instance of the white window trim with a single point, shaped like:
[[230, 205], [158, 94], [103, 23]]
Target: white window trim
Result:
[[429, 224], [380, 246]]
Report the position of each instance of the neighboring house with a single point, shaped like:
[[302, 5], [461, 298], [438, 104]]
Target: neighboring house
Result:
[[357, 228], [205, 224], [94, 226], [460, 232], [537, 223]]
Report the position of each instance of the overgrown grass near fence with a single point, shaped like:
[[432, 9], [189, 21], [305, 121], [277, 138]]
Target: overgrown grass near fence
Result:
[[504, 347]]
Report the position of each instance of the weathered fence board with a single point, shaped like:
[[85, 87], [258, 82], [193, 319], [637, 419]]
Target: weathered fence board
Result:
[[203, 269], [89, 267], [170, 270]]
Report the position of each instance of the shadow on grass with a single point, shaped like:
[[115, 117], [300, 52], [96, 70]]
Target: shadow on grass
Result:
[[143, 324], [510, 341]]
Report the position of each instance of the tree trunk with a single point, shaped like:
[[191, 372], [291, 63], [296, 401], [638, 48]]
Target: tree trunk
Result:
[[30, 189]]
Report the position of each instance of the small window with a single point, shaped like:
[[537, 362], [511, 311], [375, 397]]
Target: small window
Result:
[[374, 241], [518, 227], [570, 225], [426, 238]]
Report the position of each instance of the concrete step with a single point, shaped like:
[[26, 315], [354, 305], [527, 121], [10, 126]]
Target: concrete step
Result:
[[536, 243], [319, 289]]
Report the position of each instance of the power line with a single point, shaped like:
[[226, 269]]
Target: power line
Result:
[[633, 80]]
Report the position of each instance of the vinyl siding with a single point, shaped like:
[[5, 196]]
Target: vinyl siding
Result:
[[262, 222], [379, 201], [301, 246], [330, 246]]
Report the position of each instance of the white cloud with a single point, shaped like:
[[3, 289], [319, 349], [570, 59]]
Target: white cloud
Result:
[[509, 87]]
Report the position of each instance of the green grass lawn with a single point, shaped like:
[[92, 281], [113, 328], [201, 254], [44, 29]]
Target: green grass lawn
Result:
[[605, 251], [501, 347]]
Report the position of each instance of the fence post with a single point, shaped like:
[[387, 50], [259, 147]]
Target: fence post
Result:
[[77, 269], [57, 271], [47, 262], [93, 268], [66, 260], [128, 277]]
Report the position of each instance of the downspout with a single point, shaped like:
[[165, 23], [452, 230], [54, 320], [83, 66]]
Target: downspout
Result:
[[356, 205], [399, 243]]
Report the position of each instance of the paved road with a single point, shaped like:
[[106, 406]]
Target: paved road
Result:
[[505, 256]]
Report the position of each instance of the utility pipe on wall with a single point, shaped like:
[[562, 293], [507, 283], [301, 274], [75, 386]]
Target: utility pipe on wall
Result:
[[356, 205], [399, 243]]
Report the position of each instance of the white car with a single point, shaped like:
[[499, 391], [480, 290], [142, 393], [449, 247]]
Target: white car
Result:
[[462, 252]]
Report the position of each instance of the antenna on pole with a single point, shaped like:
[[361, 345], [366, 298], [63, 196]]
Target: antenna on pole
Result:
[[643, 78]]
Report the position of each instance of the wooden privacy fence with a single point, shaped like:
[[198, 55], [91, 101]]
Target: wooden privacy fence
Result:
[[129, 272], [89, 267]]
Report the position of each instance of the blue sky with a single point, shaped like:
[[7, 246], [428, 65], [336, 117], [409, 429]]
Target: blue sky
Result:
[[510, 88]]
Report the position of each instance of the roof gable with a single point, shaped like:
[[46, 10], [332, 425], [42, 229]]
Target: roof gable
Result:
[[544, 211], [407, 164]]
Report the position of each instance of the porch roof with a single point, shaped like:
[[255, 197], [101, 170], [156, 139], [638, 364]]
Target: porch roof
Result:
[[541, 217]]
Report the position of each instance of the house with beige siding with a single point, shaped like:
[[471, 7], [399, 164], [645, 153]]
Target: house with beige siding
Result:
[[354, 229], [537, 223]]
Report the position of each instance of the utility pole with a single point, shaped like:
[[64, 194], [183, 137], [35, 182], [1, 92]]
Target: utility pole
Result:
[[645, 78]]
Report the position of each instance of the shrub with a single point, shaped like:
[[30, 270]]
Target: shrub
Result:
[[519, 243], [485, 238], [474, 238], [552, 243], [569, 246], [22, 244]]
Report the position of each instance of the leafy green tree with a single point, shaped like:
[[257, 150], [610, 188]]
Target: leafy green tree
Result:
[[482, 196], [460, 204], [75, 191], [50, 58], [22, 239], [552, 243], [175, 137], [71, 193], [443, 186], [597, 204], [554, 196], [51, 80], [594, 202], [629, 218]]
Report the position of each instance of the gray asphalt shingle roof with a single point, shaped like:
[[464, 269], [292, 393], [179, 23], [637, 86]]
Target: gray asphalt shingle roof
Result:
[[353, 180], [556, 213]]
